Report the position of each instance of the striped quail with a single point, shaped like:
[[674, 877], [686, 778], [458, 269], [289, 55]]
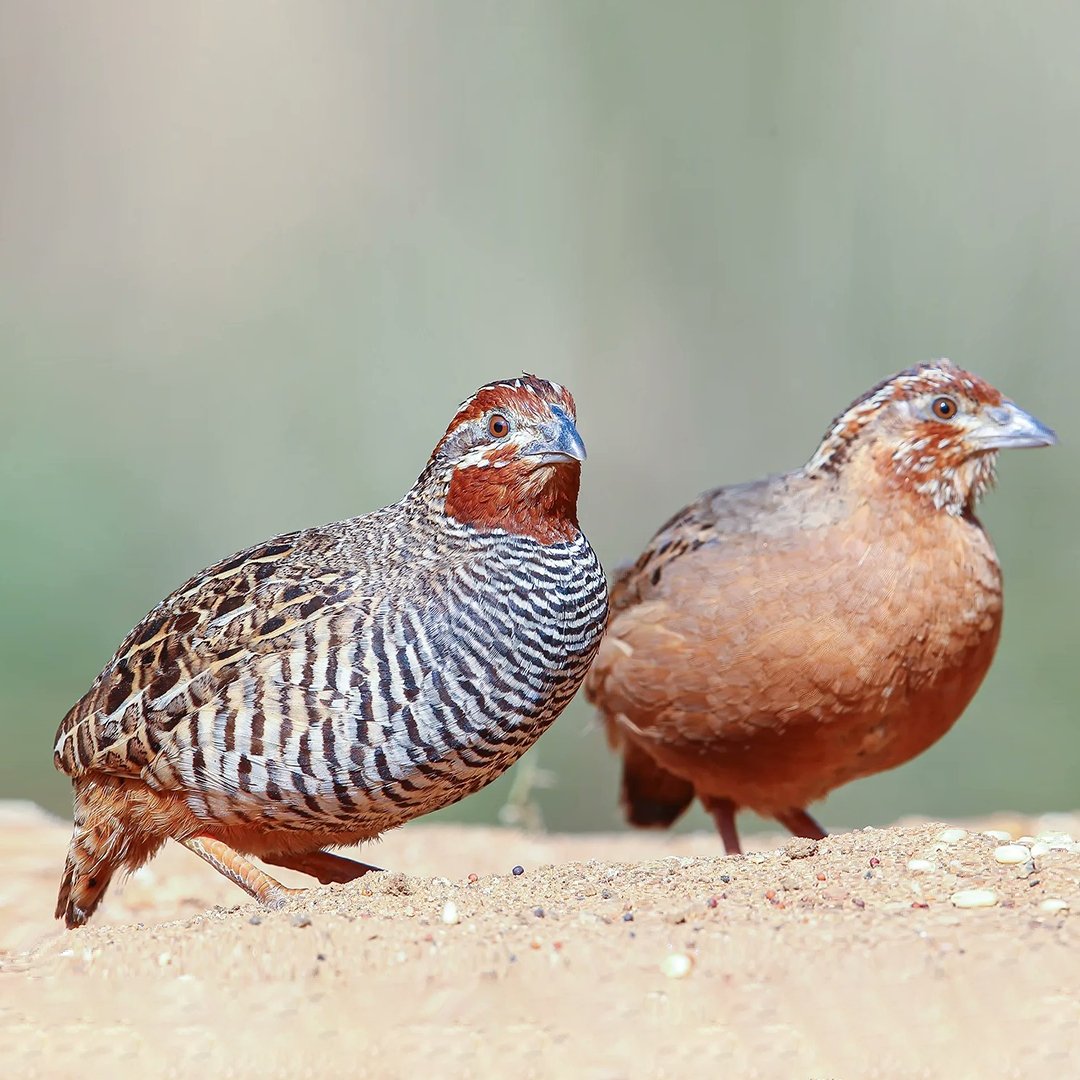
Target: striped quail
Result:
[[777, 639], [333, 683]]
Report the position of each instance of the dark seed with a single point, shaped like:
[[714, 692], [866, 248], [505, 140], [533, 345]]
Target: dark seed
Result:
[[538, 912], [518, 871], [725, 878], [628, 917]]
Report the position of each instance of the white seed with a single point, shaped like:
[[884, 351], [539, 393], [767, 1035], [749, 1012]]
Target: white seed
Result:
[[450, 914], [998, 834], [974, 898], [1012, 854], [676, 965], [1039, 849], [921, 866], [952, 836], [1054, 905]]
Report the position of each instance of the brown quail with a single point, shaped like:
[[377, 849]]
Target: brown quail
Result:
[[777, 639], [333, 683]]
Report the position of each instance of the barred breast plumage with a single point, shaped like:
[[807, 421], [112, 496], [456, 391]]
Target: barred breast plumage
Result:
[[335, 682]]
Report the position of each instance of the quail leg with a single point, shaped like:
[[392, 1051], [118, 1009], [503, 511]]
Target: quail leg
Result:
[[723, 813], [269, 892], [800, 823], [323, 865]]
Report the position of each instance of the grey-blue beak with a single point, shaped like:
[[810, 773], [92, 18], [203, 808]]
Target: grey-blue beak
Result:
[[559, 441], [1008, 427]]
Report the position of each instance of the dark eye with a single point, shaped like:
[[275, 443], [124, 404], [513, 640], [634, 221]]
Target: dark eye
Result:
[[944, 408], [498, 426]]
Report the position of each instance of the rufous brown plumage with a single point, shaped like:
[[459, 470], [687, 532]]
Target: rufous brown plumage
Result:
[[779, 638]]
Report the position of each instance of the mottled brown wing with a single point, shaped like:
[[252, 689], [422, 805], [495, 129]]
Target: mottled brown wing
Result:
[[717, 627], [190, 648]]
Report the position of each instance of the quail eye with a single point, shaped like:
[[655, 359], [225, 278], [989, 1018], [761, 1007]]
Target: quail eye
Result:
[[498, 426], [944, 408]]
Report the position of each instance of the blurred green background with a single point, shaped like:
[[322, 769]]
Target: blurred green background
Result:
[[252, 256]]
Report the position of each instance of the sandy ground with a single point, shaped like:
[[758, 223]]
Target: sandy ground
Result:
[[633, 955]]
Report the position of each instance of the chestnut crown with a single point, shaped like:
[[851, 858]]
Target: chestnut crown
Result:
[[511, 460], [934, 430]]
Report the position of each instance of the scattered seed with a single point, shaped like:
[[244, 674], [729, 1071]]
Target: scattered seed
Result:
[[858, 902], [450, 914], [725, 878], [1039, 849], [951, 836], [822, 877], [677, 965], [474, 878], [538, 912], [974, 898], [998, 834], [1054, 905], [518, 871], [712, 902], [770, 894], [874, 862], [919, 904], [628, 916], [921, 866], [301, 920], [606, 894], [1011, 854], [255, 920]]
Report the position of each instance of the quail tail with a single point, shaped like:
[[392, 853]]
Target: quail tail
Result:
[[87, 873], [104, 841], [652, 797]]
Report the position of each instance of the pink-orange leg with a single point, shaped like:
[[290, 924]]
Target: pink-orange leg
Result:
[[236, 868], [723, 813], [323, 865], [800, 823]]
